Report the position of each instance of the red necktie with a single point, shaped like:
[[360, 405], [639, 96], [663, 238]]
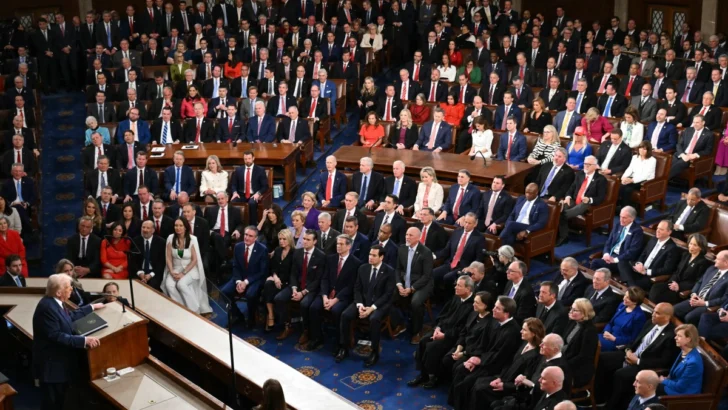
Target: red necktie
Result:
[[197, 131], [103, 210], [151, 15], [222, 222], [144, 212], [456, 208], [416, 75], [329, 187], [19, 161], [230, 125], [247, 184], [388, 111], [100, 153], [520, 73], [432, 92], [245, 256], [313, 109], [159, 231], [424, 235], [304, 270], [131, 25], [580, 195], [629, 86], [510, 143], [403, 94], [459, 252], [462, 91]]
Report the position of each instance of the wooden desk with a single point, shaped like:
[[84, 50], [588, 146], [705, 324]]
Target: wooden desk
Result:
[[266, 154], [206, 345], [6, 396], [445, 164]]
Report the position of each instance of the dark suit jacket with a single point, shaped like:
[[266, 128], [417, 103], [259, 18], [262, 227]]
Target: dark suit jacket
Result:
[[596, 190], [234, 223], [697, 219], [224, 134], [548, 403], [518, 149], [131, 179], [187, 180], [469, 93], [677, 110], [7, 281], [314, 271], [525, 299], [703, 147], [605, 305], [501, 210], [473, 250], [484, 93], [274, 103], [666, 260], [398, 225], [620, 160], [267, 129], [396, 106], [440, 91], [91, 182], [410, 137], [635, 90], [157, 260], [9, 158], [329, 248], [257, 267], [258, 183], [360, 246], [338, 188], [122, 155], [631, 245], [555, 319], [660, 352], [407, 190], [174, 133], [166, 225], [284, 130], [574, 290], [619, 104], [470, 201], [579, 352], [93, 253], [343, 283], [560, 183], [376, 291], [421, 269], [712, 116], [207, 130], [56, 349], [375, 187], [667, 139], [109, 113], [696, 91], [208, 86], [538, 214], [337, 222], [558, 101]]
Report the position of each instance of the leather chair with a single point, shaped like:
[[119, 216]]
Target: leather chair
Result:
[[718, 234], [543, 241], [589, 387], [340, 116], [702, 167], [602, 214], [656, 188], [714, 372], [148, 72]]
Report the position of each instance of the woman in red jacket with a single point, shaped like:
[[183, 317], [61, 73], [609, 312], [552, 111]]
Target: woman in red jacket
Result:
[[420, 111], [456, 57], [114, 262], [188, 103], [454, 112], [10, 243]]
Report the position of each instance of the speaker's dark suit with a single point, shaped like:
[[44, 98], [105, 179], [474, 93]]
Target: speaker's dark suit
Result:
[[56, 349], [154, 262], [370, 291], [93, 253]]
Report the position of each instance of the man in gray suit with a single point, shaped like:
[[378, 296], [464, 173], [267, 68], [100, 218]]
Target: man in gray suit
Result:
[[134, 56], [413, 273], [647, 65], [247, 106], [569, 117], [645, 104]]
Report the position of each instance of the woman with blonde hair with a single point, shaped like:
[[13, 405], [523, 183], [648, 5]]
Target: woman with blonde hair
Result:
[[372, 39], [580, 341], [92, 209], [578, 149], [279, 275], [543, 151], [429, 192], [79, 297], [214, 179], [538, 118], [298, 218], [367, 100], [595, 126], [405, 134], [308, 207]]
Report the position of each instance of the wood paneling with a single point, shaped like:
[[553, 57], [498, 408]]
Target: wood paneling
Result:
[[722, 20], [68, 7], [639, 11]]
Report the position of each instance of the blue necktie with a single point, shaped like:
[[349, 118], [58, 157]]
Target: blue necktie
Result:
[[164, 134], [523, 214], [548, 181], [363, 190], [20, 192], [244, 92], [621, 238], [108, 35], [18, 282], [103, 181], [176, 184], [608, 107], [578, 101], [407, 277], [395, 191]]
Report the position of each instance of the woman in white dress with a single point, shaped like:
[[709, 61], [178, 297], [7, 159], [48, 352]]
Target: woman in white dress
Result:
[[632, 129], [429, 192], [482, 138], [184, 277], [447, 71]]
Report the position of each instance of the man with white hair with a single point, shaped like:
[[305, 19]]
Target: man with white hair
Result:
[[261, 127], [565, 405], [56, 348], [623, 243], [332, 185]]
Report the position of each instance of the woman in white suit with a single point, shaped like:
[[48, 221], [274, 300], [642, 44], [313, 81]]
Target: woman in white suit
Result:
[[641, 169], [372, 39], [429, 192], [184, 276], [632, 129]]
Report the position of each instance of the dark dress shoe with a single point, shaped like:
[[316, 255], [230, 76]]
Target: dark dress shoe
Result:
[[341, 355], [431, 384], [285, 333], [314, 344], [562, 241], [372, 360], [421, 378]]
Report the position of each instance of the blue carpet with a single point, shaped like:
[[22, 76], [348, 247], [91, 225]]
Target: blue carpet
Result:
[[62, 187]]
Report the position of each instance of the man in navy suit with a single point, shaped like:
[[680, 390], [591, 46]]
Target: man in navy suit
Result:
[[574, 119], [465, 246], [435, 135], [690, 89], [623, 243], [661, 133], [497, 67], [713, 324], [178, 178], [360, 243], [434, 90], [530, 214], [462, 199], [217, 107], [249, 183], [611, 104], [250, 267], [368, 183], [463, 92], [55, 346], [390, 216], [332, 185], [225, 226], [659, 257], [337, 289], [709, 291], [278, 105], [331, 51], [373, 290], [143, 135], [13, 275], [390, 248], [512, 143], [261, 128], [496, 206], [231, 129], [588, 187], [492, 92], [505, 110], [696, 142], [140, 176]]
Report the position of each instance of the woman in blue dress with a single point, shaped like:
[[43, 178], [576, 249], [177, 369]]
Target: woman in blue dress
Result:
[[627, 323], [686, 374], [578, 149]]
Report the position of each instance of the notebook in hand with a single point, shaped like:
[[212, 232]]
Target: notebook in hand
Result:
[[88, 324]]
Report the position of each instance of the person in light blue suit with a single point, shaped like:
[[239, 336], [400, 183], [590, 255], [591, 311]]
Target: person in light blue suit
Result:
[[443, 137], [686, 374], [327, 88], [266, 132], [519, 147], [529, 215], [143, 135]]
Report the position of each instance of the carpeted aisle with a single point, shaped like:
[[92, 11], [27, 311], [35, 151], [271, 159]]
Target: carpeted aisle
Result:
[[62, 177]]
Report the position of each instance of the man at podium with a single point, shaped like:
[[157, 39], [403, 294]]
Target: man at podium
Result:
[[54, 344]]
